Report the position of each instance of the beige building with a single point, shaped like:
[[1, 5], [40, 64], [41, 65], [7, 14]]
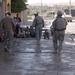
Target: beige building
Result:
[[5, 5], [23, 16]]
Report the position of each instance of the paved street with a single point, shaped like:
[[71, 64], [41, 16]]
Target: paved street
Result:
[[27, 58], [71, 27]]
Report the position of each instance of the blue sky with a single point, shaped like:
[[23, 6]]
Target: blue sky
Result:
[[49, 1]]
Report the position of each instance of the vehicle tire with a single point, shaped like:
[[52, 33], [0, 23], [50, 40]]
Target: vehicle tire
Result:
[[70, 20]]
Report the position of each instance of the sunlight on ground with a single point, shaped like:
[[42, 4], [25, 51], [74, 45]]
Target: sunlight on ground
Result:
[[69, 43]]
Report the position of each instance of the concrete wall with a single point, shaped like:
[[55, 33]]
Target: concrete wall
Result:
[[24, 17], [5, 5]]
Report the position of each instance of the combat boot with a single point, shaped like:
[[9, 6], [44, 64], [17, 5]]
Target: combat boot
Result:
[[5, 48], [38, 42], [9, 51]]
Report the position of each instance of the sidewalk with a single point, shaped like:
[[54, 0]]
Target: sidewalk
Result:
[[29, 59]]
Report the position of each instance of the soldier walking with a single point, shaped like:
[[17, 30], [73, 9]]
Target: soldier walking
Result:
[[38, 23], [59, 27], [7, 25]]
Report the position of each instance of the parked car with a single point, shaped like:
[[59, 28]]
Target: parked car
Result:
[[68, 18]]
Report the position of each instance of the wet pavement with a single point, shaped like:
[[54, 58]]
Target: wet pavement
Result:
[[27, 58]]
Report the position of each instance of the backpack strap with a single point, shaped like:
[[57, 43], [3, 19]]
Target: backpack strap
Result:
[[55, 24]]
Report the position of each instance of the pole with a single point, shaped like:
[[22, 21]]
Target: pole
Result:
[[70, 8], [41, 7]]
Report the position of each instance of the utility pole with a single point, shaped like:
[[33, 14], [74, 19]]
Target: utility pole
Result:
[[41, 7], [70, 8]]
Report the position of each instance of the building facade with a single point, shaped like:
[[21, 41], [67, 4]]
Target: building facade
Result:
[[5, 5]]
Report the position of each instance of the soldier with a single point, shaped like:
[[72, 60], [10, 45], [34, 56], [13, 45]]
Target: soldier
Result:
[[7, 25], [38, 22], [59, 25]]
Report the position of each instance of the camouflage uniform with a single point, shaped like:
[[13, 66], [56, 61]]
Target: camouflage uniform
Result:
[[38, 23], [58, 35], [7, 25]]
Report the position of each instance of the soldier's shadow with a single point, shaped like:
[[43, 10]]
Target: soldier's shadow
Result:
[[38, 48], [57, 62], [57, 58]]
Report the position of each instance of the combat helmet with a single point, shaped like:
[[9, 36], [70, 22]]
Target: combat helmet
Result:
[[7, 13], [59, 13], [35, 13]]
